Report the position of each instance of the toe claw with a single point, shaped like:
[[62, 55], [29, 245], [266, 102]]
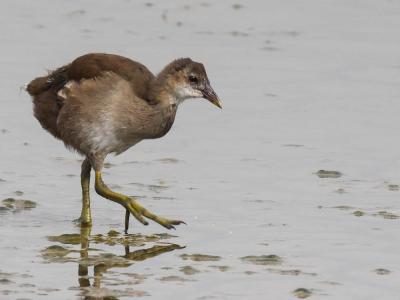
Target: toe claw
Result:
[[178, 222]]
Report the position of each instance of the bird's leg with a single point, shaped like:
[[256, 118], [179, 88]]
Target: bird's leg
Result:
[[127, 214], [86, 217], [138, 211]]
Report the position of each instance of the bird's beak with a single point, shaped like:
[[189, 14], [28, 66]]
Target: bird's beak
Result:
[[210, 95]]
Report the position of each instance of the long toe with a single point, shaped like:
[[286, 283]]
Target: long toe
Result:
[[136, 212], [139, 212], [169, 224]]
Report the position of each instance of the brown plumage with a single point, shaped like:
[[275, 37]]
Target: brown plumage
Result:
[[104, 103]]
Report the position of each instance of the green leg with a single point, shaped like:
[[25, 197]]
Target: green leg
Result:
[[86, 217], [127, 214], [130, 204]]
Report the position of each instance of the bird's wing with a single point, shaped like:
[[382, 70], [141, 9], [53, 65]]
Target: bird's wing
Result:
[[95, 64], [95, 92]]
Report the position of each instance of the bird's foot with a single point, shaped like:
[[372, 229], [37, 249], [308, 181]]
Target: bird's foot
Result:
[[139, 212]]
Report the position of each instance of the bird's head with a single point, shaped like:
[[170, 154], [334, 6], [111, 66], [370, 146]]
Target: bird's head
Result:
[[188, 79]]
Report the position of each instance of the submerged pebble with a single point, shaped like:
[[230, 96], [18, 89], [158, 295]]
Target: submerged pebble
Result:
[[174, 278], [294, 272], [393, 187], [189, 270], [18, 204], [221, 268], [200, 257], [381, 271], [387, 215], [302, 293], [5, 281], [271, 259], [328, 174], [358, 213], [343, 207], [237, 6], [169, 160]]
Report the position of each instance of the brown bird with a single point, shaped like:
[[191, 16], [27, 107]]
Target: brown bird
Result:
[[105, 103]]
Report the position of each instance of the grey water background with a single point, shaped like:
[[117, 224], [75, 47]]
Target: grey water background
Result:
[[306, 86]]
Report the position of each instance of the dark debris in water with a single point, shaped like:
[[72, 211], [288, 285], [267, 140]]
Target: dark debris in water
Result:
[[328, 174], [386, 215], [200, 257], [16, 205], [189, 270], [294, 272], [358, 213], [264, 260], [174, 278], [168, 160], [340, 191], [393, 187], [344, 207], [381, 271], [4, 281], [220, 268], [302, 293], [237, 6]]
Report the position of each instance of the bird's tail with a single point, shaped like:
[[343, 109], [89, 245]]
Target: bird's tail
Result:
[[54, 80], [46, 105]]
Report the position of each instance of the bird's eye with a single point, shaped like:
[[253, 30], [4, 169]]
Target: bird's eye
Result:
[[193, 79]]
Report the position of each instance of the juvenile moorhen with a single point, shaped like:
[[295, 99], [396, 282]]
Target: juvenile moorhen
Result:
[[106, 103]]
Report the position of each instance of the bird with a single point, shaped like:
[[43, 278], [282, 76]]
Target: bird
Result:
[[102, 104]]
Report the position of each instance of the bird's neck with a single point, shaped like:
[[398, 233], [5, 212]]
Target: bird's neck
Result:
[[162, 92]]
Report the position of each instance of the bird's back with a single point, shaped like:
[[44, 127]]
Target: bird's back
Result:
[[44, 90], [95, 64]]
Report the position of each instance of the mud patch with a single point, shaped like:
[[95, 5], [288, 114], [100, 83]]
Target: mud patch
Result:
[[200, 257], [328, 174], [358, 213], [189, 270], [221, 268], [340, 191], [264, 260], [393, 187], [344, 207], [294, 272], [168, 160], [302, 293], [381, 271], [174, 278], [237, 6], [386, 215], [16, 205]]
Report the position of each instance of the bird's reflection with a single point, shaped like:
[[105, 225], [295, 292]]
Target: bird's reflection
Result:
[[100, 266]]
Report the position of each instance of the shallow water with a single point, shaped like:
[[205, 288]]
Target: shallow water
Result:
[[291, 191]]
